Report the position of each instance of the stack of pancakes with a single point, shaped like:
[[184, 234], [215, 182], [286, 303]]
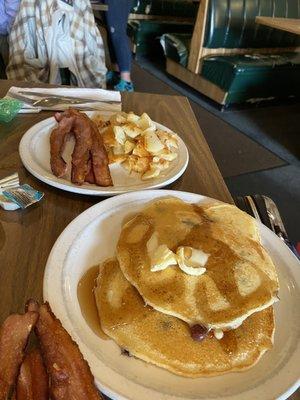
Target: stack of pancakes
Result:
[[192, 325]]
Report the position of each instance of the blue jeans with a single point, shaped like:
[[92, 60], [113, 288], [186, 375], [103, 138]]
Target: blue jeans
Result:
[[118, 42]]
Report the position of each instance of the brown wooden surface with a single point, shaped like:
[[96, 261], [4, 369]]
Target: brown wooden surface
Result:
[[263, 50], [196, 81], [198, 38], [26, 237], [168, 18], [285, 24]]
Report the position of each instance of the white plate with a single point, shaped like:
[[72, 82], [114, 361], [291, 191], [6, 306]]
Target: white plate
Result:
[[91, 238], [34, 151]]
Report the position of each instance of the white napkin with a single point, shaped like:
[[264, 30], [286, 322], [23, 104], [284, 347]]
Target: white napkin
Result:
[[104, 97]]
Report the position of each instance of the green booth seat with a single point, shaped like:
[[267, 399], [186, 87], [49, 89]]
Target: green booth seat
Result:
[[177, 46], [230, 24], [242, 78], [144, 34], [250, 78]]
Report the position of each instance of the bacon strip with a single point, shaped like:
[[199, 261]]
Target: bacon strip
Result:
[[58, 139], [70, 375], [14, 335], [89, 158], [100, 159], [32, 382], [90, 176], [83, 144]]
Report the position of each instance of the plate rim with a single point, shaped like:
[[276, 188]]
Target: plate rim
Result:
[[32, 166], [94, 211]]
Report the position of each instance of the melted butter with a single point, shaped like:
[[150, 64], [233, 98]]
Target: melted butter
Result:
[[87, 301]]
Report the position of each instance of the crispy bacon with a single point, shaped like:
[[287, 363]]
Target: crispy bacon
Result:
[[90, 176], [100, 159], [70, 375], [89, 151], [32, 381], [14, 335], [83, 145], [58, 139]]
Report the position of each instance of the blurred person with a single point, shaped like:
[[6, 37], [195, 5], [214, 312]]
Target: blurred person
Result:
[[118, 44], [8, 11], [58, 42]]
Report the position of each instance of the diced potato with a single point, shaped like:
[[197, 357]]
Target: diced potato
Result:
[[109, 137], [119, 134], [131, 117], [132, 130], [115, 158], [166, 154], [137, 164], [135, 142], [119, 118], [140, 150], [145, 122], [163, 164], [98, 120], [153, 172], [118, 149], [127, 165], [152, 143], [128, 146], [167, 138]]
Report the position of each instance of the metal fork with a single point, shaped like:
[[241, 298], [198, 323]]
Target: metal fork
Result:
[[277, 224]]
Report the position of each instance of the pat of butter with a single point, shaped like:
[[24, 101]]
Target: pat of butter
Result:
[[162, 258], [160, 255], [191, 261]]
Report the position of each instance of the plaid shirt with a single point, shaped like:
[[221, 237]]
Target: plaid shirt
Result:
[[33, 59]]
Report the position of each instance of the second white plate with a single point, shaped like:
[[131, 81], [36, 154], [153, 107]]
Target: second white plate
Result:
[[34, 151], [90, 239]]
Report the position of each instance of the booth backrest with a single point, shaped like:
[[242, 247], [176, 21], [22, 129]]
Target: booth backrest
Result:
[[230, 24]]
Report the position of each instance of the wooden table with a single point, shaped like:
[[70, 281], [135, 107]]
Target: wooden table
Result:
[[26, 237], [285, 24]]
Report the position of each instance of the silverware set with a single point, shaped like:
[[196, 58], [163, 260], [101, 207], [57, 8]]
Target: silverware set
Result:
[[51, 100]]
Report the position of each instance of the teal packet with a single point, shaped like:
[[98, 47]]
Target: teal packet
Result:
[[23, 195], [9, 108]]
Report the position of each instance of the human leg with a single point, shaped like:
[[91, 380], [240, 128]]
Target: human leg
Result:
[[116, 18]]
